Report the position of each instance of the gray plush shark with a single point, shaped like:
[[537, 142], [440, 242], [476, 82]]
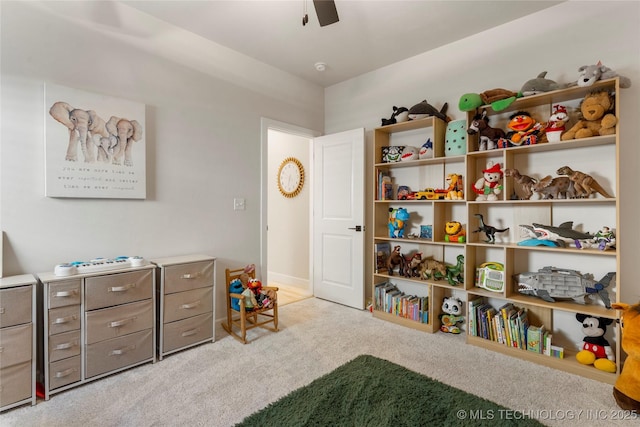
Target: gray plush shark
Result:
[[539, 85]]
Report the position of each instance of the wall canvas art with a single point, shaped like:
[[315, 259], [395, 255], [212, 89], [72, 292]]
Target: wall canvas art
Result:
[[94, 145]]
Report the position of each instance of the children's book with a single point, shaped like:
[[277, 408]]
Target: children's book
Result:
[[535, 338]]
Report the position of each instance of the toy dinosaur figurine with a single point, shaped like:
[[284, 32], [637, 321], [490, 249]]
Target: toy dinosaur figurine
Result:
[[525, 182], [455, 273], [584, 184], [489, 230], [555, 188]]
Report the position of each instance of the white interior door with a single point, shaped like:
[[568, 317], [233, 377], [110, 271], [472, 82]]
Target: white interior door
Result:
[[338, 218]]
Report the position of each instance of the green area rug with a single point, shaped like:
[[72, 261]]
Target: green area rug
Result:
[[369, 391]]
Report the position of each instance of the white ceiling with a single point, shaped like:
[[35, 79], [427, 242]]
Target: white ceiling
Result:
[[369, 35]]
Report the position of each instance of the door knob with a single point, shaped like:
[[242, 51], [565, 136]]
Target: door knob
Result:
[[357, 228]]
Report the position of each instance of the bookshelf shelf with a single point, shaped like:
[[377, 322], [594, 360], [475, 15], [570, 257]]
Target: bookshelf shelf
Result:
[[596, 156]]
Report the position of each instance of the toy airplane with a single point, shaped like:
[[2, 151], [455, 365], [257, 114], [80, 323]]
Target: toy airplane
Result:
[[549, 283], [539, 234]]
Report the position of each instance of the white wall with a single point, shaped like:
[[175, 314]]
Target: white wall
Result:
[[559, 40], [203, 138], [288, 218]]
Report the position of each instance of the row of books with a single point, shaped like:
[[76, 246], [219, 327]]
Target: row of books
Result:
[[509, 326], [389, 299], [384, 185]]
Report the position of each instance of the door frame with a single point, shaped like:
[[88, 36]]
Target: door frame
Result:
[[267, 124]]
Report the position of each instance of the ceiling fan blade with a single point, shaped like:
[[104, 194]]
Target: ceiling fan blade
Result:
[[326, 11]]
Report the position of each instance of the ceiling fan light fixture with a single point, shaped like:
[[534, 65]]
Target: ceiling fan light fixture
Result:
[[320, 66]]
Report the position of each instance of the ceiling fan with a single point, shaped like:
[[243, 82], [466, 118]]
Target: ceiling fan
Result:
[[326, 11]]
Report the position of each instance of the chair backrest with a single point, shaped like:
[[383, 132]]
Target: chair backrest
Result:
[[235, 274]]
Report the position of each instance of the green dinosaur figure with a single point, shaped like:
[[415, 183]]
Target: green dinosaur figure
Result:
[[455, 274]]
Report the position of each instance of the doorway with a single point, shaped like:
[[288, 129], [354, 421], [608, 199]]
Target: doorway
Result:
[[286, 221]]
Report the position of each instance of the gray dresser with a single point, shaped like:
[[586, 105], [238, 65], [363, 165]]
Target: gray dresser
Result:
[[186, 302], [17, 341], [96, 324]]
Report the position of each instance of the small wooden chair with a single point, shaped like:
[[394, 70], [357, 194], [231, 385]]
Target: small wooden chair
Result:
[[244, 319]]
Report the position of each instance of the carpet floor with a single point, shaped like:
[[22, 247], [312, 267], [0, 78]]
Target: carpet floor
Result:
[[221, 383]]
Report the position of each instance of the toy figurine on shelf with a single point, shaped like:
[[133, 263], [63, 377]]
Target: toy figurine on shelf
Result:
[[395, 260], [488, 136], [455, 189], [454, 232], [489, 187], [556, 122], [398, 219], [489, 230], [524, 129], [604, 239], [451, 316]]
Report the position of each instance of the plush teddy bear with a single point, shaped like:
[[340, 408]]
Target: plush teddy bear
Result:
[[489, 187], [626, 390], [596, 117], [596, 350]]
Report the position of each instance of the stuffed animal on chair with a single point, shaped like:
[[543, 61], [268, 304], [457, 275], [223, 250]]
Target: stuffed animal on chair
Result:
[[626, 390], [236, 287]]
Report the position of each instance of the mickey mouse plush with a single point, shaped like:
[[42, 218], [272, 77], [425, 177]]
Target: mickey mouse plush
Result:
[[596, 350]]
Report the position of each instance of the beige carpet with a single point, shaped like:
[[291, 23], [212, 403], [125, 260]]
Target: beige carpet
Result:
[[220, 383]]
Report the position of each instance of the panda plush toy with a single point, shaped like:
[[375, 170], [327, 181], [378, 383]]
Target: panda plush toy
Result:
[[451, 315], [596, 350]]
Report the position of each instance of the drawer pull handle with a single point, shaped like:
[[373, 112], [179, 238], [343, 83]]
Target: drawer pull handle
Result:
[[1, 349], [190, 276], [124, 288], [190, 332], [66, 373], [1, 310], [121, 351], [118, 323], [62, 294], [66, 345], [190, 305], [67, 319]]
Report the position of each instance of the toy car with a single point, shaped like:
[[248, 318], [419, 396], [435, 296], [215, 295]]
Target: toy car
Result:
[[431, 194], [404, 193]]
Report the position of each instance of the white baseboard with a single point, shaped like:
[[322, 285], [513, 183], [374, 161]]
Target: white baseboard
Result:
[[296, 283]]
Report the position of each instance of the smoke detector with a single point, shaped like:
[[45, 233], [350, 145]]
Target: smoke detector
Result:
[[320, 66]]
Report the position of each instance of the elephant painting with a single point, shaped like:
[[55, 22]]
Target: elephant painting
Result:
[[122, 134], [85, 128]]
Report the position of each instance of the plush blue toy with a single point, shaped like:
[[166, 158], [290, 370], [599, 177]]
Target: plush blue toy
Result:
[[398, 219], [235, 287]]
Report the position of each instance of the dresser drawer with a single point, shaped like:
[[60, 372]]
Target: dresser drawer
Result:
[[187, 304], [15, 383], [117, 353], [64, 345], [118, 321], [120, 288], [64, 293], [15, 306], [64, 319], [183, 277], [16, 345], [186, 332], [64, 372]]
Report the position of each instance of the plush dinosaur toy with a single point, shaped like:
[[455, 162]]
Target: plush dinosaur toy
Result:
[[627, 387]]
